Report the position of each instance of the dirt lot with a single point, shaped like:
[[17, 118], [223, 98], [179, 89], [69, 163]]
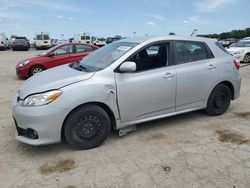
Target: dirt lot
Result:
[[191, 150]]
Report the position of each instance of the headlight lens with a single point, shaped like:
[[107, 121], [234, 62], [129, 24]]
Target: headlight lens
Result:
[[42, 98], [24, 63]]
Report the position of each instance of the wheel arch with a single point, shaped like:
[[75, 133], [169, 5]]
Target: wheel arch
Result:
[[229, 85], [36, 65], [248, 53], [104, 106]]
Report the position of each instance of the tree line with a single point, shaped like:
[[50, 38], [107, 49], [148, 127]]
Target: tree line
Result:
[[239, 34]]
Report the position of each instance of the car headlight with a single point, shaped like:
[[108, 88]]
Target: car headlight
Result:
[[41, 98], [24, 63]]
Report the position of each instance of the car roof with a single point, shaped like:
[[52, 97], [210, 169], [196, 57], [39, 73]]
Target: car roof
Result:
[[20, 39], [157, 38], [74, 43]]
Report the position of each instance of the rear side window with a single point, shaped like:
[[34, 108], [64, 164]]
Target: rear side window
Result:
[[190, 51], [83, 48], [222, 48]]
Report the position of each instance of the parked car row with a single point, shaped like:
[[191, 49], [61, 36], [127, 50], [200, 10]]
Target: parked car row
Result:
[[88, 39], [15, 42], [44, 41], [228, 42]]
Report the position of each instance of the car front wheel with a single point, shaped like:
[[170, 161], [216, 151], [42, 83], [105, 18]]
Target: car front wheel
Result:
[[219, 100], [87, 127], [35, 70]]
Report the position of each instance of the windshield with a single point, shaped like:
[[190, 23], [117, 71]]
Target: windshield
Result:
[[45, 37], [85, 37], [105, 56], [42, 37], [49, 51], [39, 37], [241, 44]]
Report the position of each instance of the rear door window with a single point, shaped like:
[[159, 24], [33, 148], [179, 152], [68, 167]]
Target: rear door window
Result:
[[222, 48], [190, 51], [83, 48]]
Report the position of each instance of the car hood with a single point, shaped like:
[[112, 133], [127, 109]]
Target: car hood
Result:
[[34, 58], [54, 78], [236, 49], [39, 56]]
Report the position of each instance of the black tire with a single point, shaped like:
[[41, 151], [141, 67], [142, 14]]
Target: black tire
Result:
[[219, 100], [87, 127], [36, 69], [247, 58]]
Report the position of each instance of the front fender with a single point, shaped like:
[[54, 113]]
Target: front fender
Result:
[[97, 89]]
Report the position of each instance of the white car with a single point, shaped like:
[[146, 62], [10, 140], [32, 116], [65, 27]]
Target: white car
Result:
[[83, 38], [4, 43], [246, 38], [42, 40], [99, 42], [241, 50]]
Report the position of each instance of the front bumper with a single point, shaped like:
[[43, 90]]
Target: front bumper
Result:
[[45, 120], [43, 45], [22, 72]]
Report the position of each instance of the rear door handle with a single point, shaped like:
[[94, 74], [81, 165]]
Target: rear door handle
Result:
[[168, 75], [211, 67]]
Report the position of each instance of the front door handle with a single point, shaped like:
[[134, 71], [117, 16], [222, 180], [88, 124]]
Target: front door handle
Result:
[[211, 67], [168, 75]]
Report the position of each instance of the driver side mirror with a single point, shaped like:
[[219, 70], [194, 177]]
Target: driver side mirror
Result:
[[128, 66], [51, 54]]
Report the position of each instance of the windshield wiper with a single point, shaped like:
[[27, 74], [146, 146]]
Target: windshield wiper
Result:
[[78, 66], [82, 67]]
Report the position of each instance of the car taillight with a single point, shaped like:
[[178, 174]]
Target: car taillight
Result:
[[237, 64]]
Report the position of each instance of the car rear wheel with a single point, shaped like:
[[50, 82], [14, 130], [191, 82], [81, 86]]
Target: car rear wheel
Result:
[[246, 58], [219, 100], [35, 70], [87, 127]]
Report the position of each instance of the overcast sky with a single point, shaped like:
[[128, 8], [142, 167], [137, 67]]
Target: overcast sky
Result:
[[110, 17]]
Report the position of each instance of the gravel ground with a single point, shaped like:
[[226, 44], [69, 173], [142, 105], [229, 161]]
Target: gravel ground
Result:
[[190, 150]]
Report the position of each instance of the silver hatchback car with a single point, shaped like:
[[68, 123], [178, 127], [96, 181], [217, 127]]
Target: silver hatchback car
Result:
[[122, 84]]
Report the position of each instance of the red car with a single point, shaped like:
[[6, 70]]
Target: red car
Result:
[[58, 55]]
